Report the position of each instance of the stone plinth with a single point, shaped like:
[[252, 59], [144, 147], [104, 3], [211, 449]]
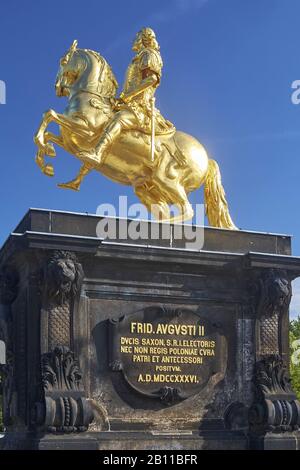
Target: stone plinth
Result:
[[145, 344]]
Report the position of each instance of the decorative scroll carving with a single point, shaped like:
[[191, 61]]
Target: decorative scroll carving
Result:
[[63, 407], [62, 283], [60, 370], [236, 416], [275, 408]]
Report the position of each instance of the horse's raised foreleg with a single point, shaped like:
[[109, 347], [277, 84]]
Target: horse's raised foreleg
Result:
[[77, 127], [55, 139], [40, 160], [48, 170], [75, 183], [41, 139]]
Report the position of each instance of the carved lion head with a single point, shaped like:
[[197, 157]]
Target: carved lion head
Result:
[[63, 275]]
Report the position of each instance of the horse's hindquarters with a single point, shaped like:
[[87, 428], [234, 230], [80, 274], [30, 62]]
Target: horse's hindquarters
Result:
[[126, 165], [194, 161], [129, 161]]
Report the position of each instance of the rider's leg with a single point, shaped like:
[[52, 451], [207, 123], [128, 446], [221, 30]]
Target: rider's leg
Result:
[[122, 120], [76, 182], [110, 134]]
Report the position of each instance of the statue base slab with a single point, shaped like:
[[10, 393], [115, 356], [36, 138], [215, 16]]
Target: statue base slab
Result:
[[150, 342]]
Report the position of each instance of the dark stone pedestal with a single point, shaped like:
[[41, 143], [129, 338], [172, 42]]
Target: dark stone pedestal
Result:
[[282, 441], [33, 441], [145, 344]]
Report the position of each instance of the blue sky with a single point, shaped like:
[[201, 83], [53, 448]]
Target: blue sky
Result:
[[229, 65]]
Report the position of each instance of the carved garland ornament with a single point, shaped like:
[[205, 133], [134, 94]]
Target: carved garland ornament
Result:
[[64, 407]]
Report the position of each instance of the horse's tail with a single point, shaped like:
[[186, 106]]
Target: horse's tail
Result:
[[216, 206]]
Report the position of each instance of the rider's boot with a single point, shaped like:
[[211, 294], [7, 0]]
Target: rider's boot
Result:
[[109, 135], [76, 182]]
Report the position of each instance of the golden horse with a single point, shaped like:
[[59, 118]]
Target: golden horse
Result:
[[181, 163]]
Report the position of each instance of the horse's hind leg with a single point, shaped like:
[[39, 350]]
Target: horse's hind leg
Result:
[[175, 194], [153, 201], [75, 183], [181, 201], [173, 191]]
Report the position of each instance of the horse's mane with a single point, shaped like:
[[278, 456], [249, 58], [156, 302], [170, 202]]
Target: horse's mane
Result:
[[100, 58]]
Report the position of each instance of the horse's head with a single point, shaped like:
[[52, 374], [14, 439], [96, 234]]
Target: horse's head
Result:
[[86, 70], [69, 71]]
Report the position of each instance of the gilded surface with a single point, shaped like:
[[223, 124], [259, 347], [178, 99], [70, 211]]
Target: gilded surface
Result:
[[126, 138]]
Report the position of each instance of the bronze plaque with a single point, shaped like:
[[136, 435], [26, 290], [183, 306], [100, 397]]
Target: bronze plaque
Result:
[[166, 353]]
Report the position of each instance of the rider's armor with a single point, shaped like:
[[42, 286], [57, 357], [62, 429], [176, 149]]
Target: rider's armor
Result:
[[146, 60]]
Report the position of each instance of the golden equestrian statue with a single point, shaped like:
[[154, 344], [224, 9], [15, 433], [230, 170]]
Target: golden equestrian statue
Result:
[[126, 138]]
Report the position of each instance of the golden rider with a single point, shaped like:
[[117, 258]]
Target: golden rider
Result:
[[134, 106]]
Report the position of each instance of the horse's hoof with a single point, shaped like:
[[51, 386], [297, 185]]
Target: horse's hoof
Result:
[[180, 218], [50, 150], [161, 213], [48, 170], [39, 160], [72, 186]]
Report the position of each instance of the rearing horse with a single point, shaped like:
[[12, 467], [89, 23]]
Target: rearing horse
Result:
[[181, 163]]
